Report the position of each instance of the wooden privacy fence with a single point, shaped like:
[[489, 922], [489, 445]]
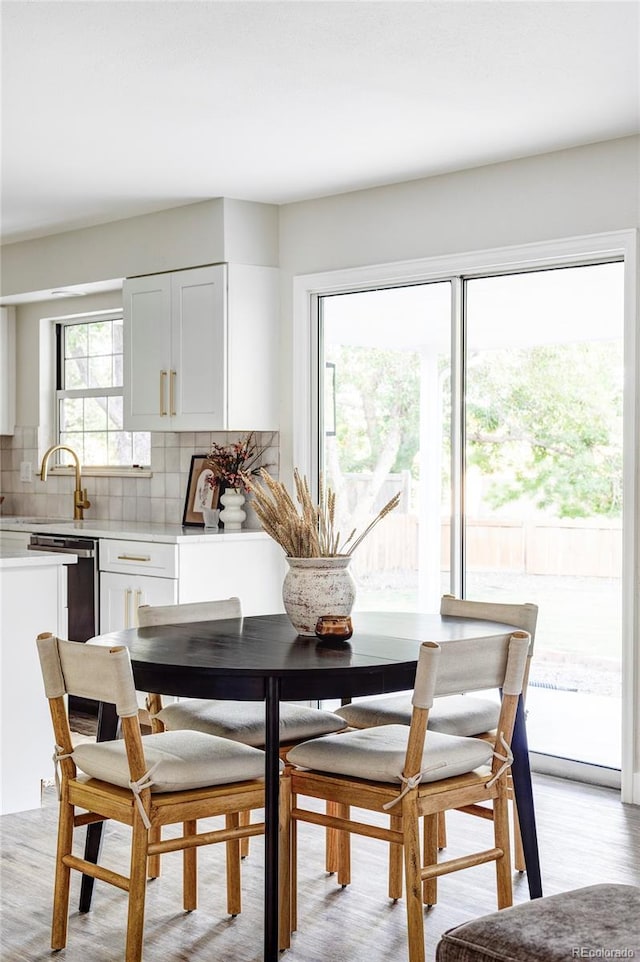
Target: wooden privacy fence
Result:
[[575, 548]]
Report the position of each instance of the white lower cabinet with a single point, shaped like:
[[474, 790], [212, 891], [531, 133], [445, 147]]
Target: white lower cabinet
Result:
[[132, 573], [121, 596]]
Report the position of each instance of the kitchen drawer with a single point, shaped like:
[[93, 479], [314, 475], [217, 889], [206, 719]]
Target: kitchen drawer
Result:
[[139, 557]]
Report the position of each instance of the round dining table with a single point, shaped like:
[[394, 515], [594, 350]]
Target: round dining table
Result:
[[261, 658]]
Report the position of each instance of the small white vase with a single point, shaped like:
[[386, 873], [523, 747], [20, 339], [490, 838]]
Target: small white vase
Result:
[[232, 514], [317, 586]]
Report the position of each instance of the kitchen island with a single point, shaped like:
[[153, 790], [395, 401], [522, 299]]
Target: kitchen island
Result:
[[33, 599]]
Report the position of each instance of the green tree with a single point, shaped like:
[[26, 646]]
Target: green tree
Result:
[[542, 423], [546, 423], [377, 428]]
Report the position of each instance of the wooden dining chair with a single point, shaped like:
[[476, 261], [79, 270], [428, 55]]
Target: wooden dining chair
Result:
[[242, 721], [396, 769], [145, 783], [452, 715]]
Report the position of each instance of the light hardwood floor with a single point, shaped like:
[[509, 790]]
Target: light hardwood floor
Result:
[[586, 836]]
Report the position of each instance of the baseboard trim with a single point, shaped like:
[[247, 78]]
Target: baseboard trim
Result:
[[576, 771]]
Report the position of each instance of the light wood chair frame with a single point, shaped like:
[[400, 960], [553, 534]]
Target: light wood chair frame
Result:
[[525, 617], [467, 793], [150, 616], [522, 616], [100, 800]]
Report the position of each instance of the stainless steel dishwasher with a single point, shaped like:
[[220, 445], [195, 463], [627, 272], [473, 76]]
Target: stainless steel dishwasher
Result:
[[82, 592]]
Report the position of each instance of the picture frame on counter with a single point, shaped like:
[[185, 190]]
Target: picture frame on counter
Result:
[[203, 491]]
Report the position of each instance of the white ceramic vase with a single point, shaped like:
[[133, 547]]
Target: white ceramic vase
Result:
[[317, 586], [232, 514]]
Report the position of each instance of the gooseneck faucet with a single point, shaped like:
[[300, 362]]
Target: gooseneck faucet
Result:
[[80, 501]]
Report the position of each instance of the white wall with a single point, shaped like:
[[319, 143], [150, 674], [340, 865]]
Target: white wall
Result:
[[205, 233], [582, 191]]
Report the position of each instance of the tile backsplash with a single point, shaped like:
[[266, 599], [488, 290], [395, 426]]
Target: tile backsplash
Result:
[[159, 498]]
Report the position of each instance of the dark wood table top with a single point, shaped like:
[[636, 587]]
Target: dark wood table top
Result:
[[233, 658]]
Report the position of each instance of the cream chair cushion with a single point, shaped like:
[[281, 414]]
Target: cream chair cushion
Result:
[[244, 721], [451, 714], [184, 760], [379, 753]]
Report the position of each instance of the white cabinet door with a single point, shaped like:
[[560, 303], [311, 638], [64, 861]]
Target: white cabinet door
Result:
[[198, 375], [147, 352], [121, 595], [175, 350]]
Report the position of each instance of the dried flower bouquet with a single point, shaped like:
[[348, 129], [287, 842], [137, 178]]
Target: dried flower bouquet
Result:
[[308, 532], [233, 465]]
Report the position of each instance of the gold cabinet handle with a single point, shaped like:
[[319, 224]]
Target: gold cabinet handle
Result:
[[134, 557], [163, 380], [172, 393], [137, 594], [127, 595]]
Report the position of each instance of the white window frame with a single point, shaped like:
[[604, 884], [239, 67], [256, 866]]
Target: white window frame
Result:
[[566, 252], [97, 470]]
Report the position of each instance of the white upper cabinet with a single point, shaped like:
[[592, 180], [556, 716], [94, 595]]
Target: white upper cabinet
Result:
[[7, 370], [201, 350]]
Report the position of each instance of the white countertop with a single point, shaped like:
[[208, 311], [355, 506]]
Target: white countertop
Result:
[[22, 558], [127, 530]]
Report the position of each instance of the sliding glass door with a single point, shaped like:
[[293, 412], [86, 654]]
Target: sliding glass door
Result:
[[543, 488], [507, 448]]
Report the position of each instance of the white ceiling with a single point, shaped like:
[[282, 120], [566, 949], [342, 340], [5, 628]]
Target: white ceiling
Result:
[[112, 109]]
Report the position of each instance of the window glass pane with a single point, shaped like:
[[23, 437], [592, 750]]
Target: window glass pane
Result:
[[141, 447], [100, 372], [385, 414], [71, 414], [95, 414], [116, 377], [115, 414], [117, 335], [543, 493], [75, 440], [100, 339], [120, 447], [91, 357], [76, 340], [95, 447], [75, 374]]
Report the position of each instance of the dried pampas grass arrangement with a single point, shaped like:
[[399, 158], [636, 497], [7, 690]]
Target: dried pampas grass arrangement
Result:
[[308, 531]]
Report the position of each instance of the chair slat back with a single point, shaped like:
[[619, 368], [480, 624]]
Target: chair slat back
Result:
[[466, 666], [520, 616], [151, 615], [88, 671], [469, 664]]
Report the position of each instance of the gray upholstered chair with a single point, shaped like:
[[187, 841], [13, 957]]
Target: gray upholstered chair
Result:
[[412, 773], [599, 921], [145, 783]]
